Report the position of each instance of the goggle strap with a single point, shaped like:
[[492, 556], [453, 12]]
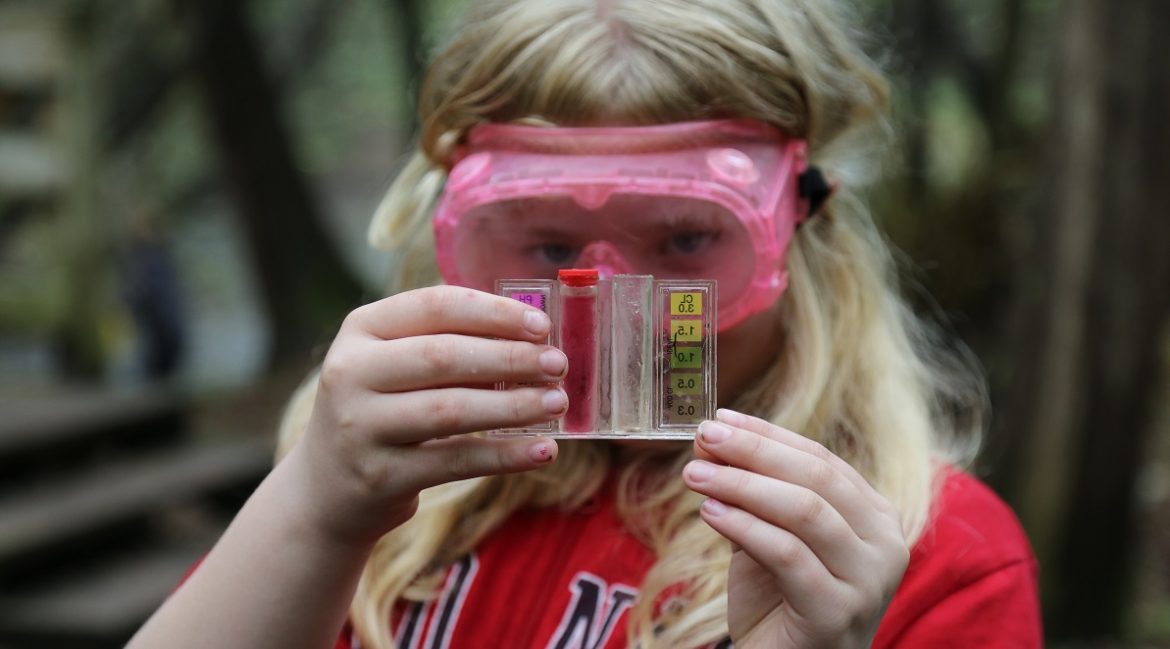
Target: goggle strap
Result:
[[814, 188]]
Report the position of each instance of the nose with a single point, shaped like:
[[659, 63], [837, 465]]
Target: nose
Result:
[[605, 258]]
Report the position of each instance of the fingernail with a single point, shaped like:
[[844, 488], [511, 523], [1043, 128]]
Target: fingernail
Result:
[[553, 362], [536, 322], [729, 416], [541, 451], [554, 401], [700, 471], [714, 507], [713, 433]]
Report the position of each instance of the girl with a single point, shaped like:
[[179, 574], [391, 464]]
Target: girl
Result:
[[823, 506]]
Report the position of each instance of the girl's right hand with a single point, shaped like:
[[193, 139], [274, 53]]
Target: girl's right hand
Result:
[[405, 378]]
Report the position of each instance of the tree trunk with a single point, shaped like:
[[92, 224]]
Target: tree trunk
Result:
[[1091, 311], [406, 22], [305, 285], [82, 355]]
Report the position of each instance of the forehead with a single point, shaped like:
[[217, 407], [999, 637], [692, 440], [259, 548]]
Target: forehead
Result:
[[620, 213]]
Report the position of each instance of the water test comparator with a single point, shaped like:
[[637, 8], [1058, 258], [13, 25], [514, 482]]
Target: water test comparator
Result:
[[641, 353]]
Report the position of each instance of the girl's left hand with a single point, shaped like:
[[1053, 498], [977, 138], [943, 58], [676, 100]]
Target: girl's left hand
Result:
[[817, 552]]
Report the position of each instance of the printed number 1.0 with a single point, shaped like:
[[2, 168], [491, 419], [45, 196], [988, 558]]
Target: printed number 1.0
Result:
[[686, 358]]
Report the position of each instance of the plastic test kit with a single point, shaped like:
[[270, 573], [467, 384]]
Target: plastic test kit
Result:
[[641, 353]]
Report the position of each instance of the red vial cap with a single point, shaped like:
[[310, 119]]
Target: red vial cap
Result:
[[578, 276]]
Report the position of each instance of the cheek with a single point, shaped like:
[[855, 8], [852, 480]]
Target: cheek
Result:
[[746, 352]]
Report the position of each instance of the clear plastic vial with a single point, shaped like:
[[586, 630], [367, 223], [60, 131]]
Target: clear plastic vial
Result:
[[580, 342], [632, 353]]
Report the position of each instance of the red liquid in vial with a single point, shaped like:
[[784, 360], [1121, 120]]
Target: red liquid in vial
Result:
[[579, 341]]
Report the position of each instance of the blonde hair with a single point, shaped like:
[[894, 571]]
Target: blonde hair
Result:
[[857, 372]]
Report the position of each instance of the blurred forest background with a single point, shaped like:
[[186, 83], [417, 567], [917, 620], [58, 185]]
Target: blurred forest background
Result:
[[184, 191]]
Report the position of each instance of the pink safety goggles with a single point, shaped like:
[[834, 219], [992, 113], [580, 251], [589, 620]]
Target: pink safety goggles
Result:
[[693, 200]]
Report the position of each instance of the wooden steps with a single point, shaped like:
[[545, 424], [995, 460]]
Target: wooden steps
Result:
[[106, 498], [49, 420], [101, 607], [67, 509]]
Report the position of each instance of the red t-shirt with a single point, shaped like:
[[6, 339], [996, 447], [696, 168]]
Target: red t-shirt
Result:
[[566, 580]]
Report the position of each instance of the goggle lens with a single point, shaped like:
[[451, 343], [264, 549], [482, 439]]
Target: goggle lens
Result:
[[669, 237]]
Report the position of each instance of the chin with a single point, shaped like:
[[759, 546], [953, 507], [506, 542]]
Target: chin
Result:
[[631, 448]]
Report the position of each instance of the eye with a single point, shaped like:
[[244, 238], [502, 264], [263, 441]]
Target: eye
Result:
[[689, 243], [557, 254]]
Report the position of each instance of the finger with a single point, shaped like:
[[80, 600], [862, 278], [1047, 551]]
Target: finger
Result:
[[427, 414], [795, 509], [450, 309], [765, 456], [448, 359], [784, 436], [459, 458], [806, 584], [701, 453]]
